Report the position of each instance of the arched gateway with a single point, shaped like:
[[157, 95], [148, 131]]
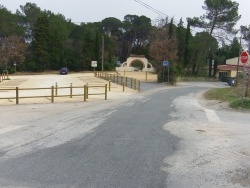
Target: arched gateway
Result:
[[129, 65]]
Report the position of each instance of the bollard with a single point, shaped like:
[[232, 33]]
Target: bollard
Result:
[[17, 96], [123, 86], [146, 75], [109, 85]]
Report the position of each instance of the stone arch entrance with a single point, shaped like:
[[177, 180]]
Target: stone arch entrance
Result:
[[137, 63], [128, 65]]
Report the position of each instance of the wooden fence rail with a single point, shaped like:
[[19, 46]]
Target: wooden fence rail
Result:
[[54, 92], [120, 80]]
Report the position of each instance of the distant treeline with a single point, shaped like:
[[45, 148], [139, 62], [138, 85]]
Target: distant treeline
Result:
[[39, 40]]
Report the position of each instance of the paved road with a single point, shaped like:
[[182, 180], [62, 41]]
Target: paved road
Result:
[[123, 145]]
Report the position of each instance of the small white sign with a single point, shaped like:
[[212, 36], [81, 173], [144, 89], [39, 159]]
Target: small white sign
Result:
[[93, 63]]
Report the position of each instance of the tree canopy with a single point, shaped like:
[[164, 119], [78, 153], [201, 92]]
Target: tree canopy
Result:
[[44, 40]]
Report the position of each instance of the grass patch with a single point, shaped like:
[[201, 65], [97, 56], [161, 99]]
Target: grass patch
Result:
[[231, 95], [237, 103]]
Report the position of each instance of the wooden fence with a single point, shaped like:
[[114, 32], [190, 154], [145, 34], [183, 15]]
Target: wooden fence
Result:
[[120, 80], [3, 77], [54, 90]]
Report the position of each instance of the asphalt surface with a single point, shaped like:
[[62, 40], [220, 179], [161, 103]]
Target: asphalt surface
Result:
[[125, 147]]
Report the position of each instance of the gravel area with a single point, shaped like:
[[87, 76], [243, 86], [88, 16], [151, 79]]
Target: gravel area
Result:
[[214, 150]]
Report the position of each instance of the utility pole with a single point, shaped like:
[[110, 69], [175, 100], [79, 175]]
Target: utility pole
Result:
[[102, 51]]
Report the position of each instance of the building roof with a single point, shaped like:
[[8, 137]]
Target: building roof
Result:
[[230, 67], [234, 61]]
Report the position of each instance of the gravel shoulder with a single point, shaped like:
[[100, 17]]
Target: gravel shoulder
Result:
[[214, 149]]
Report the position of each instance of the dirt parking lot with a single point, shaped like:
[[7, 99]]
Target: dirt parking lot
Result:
[[53, 79]]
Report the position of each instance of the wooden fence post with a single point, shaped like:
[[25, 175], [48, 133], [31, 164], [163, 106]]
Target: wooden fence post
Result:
[[71, 90], [139, 86], [52, 94], [56, 89], [85, 93], [106, 89], [17, 96], [134, 84]]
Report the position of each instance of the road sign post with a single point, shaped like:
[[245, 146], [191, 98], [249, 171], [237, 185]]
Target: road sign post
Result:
[[244, 60], [165, 64], [15, 66]]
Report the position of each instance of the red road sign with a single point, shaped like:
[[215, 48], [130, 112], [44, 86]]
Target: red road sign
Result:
[[244, 57]]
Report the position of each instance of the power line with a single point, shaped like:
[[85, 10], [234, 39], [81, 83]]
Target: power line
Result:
[[158, 12], [151, 8]]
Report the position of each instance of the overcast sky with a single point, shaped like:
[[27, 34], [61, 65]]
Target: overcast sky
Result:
[[97, 10]]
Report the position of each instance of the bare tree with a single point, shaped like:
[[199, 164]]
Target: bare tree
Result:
[[12, 49]]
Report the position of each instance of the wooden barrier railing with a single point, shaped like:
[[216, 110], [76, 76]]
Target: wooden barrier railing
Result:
[[3, 77], [54, 92], [120, 80]]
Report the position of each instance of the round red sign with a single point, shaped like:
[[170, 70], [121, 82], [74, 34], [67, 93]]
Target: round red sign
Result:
[[244, 57]]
